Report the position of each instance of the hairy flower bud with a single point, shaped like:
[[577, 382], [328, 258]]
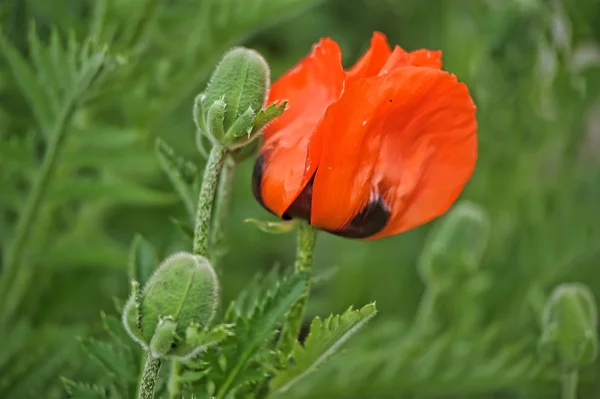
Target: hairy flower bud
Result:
[[230, 111], [179, 299], [454, 248], [569, 333]]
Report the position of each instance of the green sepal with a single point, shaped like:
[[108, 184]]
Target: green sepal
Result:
[[165, 336], [240, 132], [214, 121], [268, 114], [278, 227]]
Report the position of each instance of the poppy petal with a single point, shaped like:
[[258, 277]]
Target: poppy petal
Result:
[[309, 87], [426, 58], [420, 58], [372, 61], [398, 59], [286, 164], [399, 146]]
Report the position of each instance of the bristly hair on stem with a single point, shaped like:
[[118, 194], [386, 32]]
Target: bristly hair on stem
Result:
[[220, 213], [206, 198], [149, 377]]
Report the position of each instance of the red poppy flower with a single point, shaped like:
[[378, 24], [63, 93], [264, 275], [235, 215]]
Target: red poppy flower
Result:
[[369, 152]]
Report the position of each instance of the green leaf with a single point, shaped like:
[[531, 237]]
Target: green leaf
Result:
[[111, 360], [197, 340], [114, 327], [253, 332], [248, 299], [180, 172], [324, 339], [186, 228], [31, 87], [48, 352], [143, 259], [110, 188], [193, 375], [278, 227], [267, 115], [78, 390]]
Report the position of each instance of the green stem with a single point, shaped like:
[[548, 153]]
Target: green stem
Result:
[[174, 383], [219, 221], [304, 260], [425, 320], [206, 198], [201, 232], [569, 384], [149, 377], [15, 272]]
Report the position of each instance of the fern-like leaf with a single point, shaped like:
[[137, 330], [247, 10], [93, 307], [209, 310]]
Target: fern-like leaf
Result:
[[78, 390], [324, 339], [106, 355], [252, 332], [143, 259], [182, 174]]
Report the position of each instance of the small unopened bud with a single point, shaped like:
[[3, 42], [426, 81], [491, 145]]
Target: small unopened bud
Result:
[[235, 95], [454, 248], [183, 292], [569, 324]]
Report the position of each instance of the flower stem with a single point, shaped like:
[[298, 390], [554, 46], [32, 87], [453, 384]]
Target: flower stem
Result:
[[201, 232], [569, 384], [16, 272], [149, 377], [304, 260], [224, 192], [174, 383], [425, 320], [206, 198]]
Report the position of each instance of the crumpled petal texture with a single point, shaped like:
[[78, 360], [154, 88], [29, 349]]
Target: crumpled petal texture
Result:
[[370, 152]]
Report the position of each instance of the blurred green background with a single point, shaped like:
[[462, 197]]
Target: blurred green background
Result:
[[533, 68]]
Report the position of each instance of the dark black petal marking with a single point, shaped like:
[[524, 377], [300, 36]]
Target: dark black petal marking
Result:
[[369, 221], [302, 206], [257, 175]]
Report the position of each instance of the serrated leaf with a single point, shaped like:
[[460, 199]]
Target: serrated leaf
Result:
[[180, 172], [193, 375], [253, 332], [267, 115], [79, 390], [199, 340], [324, 339], [278, 227], [143, 259], [247, 300], [114, 327], [36, 366], [31, 87], [109, 358]]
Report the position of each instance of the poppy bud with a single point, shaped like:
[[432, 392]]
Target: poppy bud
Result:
[[175, 307], [569, 333], [230, 111], [455, 247]]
